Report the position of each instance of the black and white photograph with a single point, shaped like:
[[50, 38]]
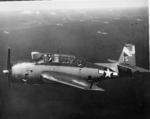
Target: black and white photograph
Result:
[[74, 59]]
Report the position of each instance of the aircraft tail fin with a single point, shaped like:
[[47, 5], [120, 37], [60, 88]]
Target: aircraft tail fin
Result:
[[128, 55]]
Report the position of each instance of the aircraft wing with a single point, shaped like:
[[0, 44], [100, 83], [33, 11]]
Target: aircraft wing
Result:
[[70, 80]]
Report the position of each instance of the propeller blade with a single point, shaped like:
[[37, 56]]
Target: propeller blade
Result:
[[8, 59], [9, 66], [9, 80], [7, 72]]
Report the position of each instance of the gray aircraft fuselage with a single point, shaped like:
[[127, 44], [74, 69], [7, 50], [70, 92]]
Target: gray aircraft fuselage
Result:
[[30, 72]]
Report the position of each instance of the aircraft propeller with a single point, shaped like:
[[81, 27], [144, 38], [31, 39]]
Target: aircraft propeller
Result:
[[7, 72]]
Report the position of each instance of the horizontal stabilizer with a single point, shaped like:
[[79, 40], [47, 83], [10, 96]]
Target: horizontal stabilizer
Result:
[[112, 61], [134, 68]]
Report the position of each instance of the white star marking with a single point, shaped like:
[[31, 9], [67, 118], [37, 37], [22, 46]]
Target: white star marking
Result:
[[108, 73]]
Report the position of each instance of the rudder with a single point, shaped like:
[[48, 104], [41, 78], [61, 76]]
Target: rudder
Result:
[[128, 55]]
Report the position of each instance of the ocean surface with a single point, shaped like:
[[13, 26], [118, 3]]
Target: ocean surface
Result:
[[96, 35]]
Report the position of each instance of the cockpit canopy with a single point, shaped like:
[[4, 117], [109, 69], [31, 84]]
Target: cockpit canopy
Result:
[[35, 56], [61, 59]]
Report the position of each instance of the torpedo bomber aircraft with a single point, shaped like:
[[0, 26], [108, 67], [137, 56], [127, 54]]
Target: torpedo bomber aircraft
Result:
[[71, 70]]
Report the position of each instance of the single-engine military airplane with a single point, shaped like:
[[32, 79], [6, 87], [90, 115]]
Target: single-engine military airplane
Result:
[[71, 70]]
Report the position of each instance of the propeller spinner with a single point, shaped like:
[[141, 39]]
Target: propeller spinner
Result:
[[7, 72]]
